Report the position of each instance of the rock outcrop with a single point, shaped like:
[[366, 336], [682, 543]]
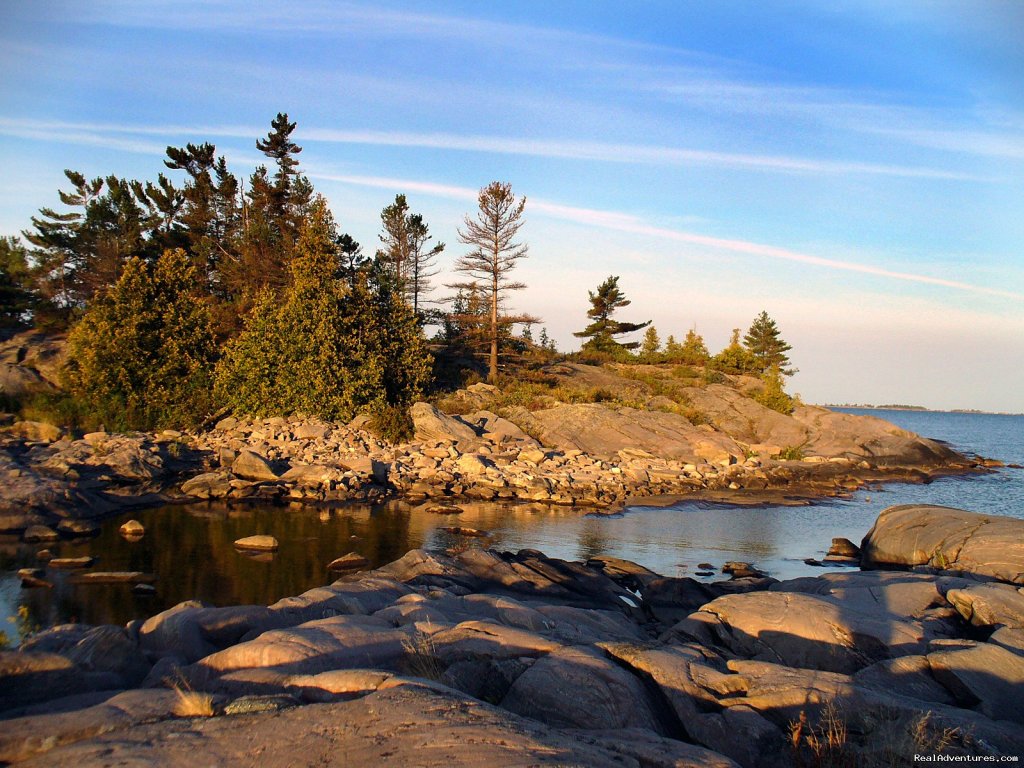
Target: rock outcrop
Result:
[[486, 657]]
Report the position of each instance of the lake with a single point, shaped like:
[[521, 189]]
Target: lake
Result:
[[190, 549]]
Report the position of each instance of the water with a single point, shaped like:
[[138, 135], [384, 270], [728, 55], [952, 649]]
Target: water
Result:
[[190, 548]]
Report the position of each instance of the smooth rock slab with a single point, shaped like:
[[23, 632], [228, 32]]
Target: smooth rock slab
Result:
[[577, 687], [987, 674], [989, 605], [404, 726], [948, 539], [812, 632]]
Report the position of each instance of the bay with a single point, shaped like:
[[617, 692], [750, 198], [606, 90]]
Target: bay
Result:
[[190, 549]]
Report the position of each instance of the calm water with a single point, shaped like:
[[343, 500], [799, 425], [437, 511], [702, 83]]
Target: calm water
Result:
[[190, 548]]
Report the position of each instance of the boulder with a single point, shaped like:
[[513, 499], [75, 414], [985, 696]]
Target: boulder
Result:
[[176, 632], [78, 528], [989, 605], [948, 539], [252, 466], [431, 425], [209, 485], [37, 431], [577, 687], [984, 676], [810, 631]]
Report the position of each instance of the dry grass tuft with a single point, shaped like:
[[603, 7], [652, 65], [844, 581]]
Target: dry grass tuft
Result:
[[191, 703], [421, 657]]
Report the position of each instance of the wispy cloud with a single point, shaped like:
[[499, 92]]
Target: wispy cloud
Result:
[[623, 222], [531, 147]]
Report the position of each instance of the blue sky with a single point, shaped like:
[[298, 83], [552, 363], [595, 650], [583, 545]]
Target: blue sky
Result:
[[856, 168]]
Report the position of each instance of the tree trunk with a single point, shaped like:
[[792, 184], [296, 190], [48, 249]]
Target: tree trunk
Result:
[[492, 372]]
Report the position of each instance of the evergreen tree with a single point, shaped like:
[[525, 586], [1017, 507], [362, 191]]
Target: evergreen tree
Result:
[[601, 332], [773, 395], [765, 344], [735, 358], [351, 260], [694, 351], [141, 356], [494, 254], [405, 238], [651, 345], [673, 350], [329, 347], [17, 299]]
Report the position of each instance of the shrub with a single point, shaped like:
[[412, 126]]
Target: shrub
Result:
[[773, 395], [141, 356]]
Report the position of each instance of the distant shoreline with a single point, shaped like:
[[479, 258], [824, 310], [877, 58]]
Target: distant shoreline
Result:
[[921, 408]]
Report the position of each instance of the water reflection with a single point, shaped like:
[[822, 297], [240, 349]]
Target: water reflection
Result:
[[190, 548]]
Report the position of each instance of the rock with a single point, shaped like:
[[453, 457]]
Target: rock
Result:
[[444, 509], [989, 605], [472, 533], [578, 688], [986, 676], [843, 548], [311, 431], [947, 539], [39, 533], [1010, 639], [78, 528], [349, 562], [176, 632], [908, 675], [27, 677], [33, 578], [431, 425], [63, 563], [112, 577], [16, 380], [132, 529], [248, 705], [601, 431], [262, 543], [740, 570], [810, 631], [251, 466], [406, 724], [472, 465], [209, 485], [37, 431]]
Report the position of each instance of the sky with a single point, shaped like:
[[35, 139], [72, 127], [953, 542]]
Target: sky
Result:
[[855, 168]]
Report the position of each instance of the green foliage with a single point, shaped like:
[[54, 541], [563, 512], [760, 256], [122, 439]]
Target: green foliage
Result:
[[601, 332], [140, 358], [650, 347], [773, 395], [392, 423], [765, 345], [326, 347], [17, 299], [735, 358], [792, 453]]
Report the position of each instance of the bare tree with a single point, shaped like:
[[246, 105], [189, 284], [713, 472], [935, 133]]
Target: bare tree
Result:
[[494, 254]]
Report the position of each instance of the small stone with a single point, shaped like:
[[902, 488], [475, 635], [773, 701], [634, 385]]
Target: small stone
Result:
[[144, 590], [350, 562], [259, 542], [36, 533], [78, 528], [69, 563], [132, 529], [468, 532]]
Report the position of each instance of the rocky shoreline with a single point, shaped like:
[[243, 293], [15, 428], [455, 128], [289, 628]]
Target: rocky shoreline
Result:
[[495, 658], [480, 456]]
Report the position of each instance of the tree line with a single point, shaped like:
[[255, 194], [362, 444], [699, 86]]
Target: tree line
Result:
[[201, 292]]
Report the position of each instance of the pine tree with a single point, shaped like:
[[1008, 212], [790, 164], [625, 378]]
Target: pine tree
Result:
[[494, 254], [17, 299], [141, 356], [765, 344], [601, 332], [673, 350], [651, 345], [406, 252]]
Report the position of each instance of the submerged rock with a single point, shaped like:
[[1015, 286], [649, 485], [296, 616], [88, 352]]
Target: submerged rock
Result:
[[259, 542]]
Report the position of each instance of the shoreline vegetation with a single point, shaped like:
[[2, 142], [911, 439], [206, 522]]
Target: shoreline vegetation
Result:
[[870, 407]]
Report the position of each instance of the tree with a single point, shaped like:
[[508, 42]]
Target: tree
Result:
[[495, 252], [765, 344], [773, 394], [406, 251], [351, 260], [735, 358], [651, 345], [601, 332], [326, 347], [17, 299], [141, 356], [694, 351]]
